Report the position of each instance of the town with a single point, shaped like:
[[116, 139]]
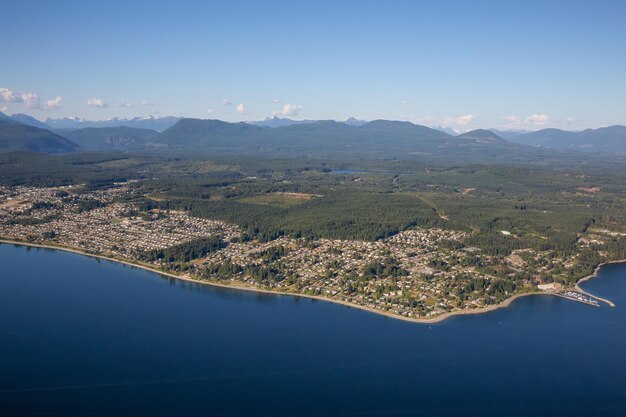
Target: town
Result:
[[417, 273]]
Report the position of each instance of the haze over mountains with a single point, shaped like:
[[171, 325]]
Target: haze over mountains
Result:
[[148, 122], [284, 137], [610, 139]]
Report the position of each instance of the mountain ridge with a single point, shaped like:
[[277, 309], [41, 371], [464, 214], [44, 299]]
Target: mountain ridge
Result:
[[609, 139], [121, 138], [15, 136], [148, 122]]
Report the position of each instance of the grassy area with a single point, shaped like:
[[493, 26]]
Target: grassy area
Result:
[[278, 199]]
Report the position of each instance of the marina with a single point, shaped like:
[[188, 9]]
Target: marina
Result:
[[576, 296]]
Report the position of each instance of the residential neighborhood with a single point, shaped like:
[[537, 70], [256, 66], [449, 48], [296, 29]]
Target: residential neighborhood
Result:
[[417, 273]]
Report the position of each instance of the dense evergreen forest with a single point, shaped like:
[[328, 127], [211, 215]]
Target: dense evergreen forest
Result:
[[502, 207]]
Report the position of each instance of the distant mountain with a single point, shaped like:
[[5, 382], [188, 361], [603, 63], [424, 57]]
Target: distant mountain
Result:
[[28, 120], [283, 122], [280, 122], [447, 130], [337, 140], [149, 122], [481, 136], [509, 134], [5, 117], [16, 136], [109, 138], [353, 121], [199, 134], [610, 139], [320, 137]]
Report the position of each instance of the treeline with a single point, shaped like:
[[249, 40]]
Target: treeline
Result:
[[95, 169], [387, 269], [615, 248], [185, 252], [496, 290], [345, 215]]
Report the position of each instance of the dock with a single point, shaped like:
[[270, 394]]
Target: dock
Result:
[[576, 296], [580, 296]]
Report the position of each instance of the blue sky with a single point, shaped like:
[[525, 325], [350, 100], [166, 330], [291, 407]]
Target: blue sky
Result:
[[462, 64]]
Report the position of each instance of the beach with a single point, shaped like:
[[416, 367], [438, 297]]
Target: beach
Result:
[[189, 278]]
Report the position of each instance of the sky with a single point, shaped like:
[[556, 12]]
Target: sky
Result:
[[463, 64]]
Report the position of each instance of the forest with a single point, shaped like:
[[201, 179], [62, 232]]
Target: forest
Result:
[[503, 207]]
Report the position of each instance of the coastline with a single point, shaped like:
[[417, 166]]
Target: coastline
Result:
[[187, 278], [595, 275]]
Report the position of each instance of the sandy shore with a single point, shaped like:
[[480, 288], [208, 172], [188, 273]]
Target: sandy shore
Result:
[[189, 278]]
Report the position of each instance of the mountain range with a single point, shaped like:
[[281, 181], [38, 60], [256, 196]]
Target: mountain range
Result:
[[378, 139], [149, 122], [282, 137], [610, 139]]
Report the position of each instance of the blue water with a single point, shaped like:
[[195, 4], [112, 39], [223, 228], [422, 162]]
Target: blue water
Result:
[[82, 337]]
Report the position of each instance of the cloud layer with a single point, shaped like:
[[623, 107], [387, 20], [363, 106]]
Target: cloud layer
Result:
[[292, 110], [463, 120], [97, 102], [9, 96], [533, 120]]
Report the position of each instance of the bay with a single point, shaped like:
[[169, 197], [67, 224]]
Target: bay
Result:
[[82, 336]]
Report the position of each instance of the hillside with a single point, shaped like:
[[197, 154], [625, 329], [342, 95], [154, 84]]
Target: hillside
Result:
[[319, 138], [335, 140], [610, 139], [28, 120], [5, 117], [480, 136], [109, 138], [16, 136]]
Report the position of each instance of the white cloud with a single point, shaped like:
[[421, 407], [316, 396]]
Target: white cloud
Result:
[[145, 103], [9, 96], [241, 109], [572, 121], [512, 119], [124, 103], [537, 119], [460, 120], [226, 102], [54, 103], [4, 109], [422, 119], [209, 111], [31, 101], [276, 101], [291, 109], [97, 102], [517, 122]]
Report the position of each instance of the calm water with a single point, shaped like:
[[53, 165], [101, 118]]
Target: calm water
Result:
[[85, 337]]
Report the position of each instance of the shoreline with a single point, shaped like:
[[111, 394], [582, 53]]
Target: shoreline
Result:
[[187, 278], [595, 275]]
